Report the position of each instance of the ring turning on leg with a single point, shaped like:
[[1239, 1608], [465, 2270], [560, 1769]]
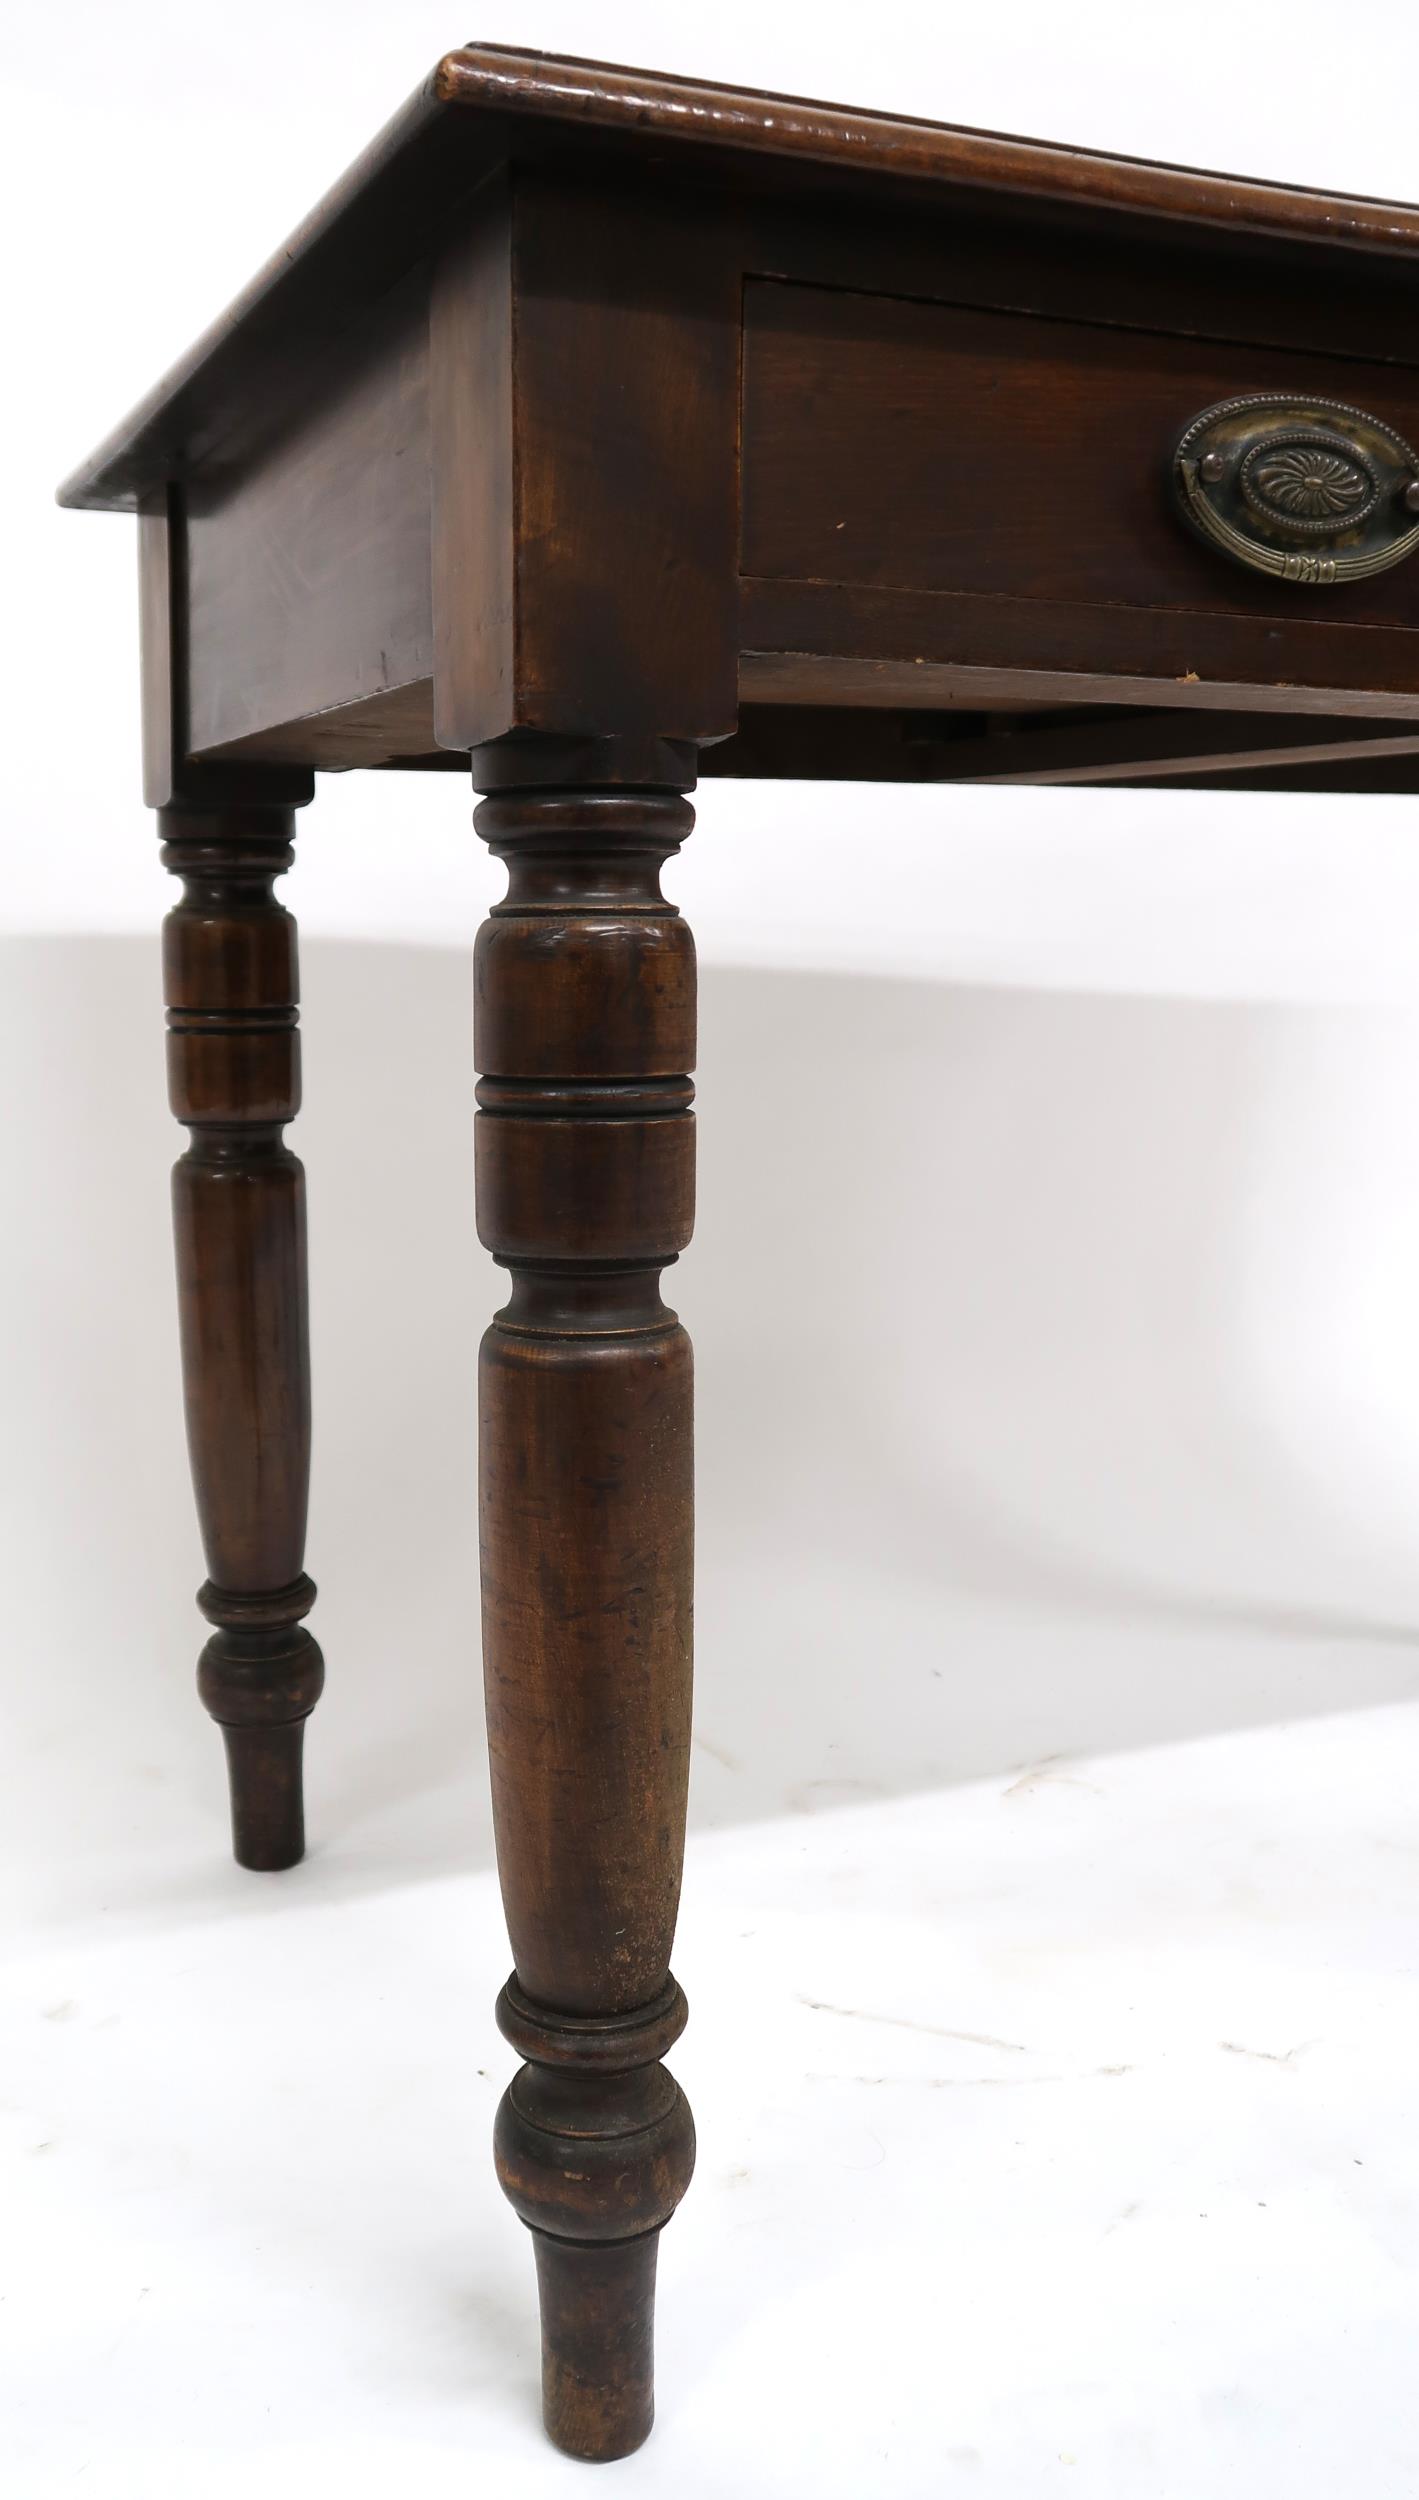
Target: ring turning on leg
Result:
[[585, 1040], [229, 967]]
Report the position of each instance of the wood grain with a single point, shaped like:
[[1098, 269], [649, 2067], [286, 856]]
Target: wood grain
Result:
[[585, 1036], [601, 423], [908, 446], [586, 352], [655, 109], [834, 642], [485, 106], [229, 972], [308, 569], [172, 775]]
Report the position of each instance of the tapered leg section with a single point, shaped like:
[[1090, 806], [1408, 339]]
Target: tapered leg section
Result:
[[585, 991], [229, 964], [598, 2343], [265, 1767]]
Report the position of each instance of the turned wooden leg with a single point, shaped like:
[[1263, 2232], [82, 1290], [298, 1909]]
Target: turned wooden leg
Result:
[[585, 1145], [229, 970]]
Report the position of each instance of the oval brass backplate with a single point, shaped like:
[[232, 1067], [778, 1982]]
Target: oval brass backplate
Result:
[[1306, 490]]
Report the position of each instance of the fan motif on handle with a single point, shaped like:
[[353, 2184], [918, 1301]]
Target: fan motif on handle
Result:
[[1309, 483], [1313, 485], [1311, 491]]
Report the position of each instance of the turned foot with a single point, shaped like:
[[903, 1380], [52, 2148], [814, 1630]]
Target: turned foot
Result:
[[595, 2147], [598, 2344], [260, 1676]]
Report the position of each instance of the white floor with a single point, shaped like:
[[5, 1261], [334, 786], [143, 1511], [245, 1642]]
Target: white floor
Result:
[[1057, 2133], [1052, 1909]]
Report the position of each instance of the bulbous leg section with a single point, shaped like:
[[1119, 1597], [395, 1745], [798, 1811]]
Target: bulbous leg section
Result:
[[595, 2157], [260, 1676], [585, 1161], [229, 968]]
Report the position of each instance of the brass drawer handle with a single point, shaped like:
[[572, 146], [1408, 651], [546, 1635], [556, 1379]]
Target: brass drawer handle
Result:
[[1307, 490]]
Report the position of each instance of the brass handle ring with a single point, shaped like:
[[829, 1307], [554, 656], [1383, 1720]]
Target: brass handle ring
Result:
[[1306, 490]]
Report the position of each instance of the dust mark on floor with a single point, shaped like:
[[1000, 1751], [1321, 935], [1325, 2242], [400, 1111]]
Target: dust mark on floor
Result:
[[1049, 1774], [1268, 2057], [813, 1796], [726, 1761], [969, 2083], [905, 2022]]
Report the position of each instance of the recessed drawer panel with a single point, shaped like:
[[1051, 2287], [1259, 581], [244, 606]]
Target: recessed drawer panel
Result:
[[927, 447]]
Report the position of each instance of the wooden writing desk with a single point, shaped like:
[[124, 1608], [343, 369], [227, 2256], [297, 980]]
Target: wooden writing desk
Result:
[[612, 430]]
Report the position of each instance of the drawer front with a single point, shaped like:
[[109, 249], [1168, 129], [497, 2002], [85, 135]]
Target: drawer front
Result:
[[923, 447]]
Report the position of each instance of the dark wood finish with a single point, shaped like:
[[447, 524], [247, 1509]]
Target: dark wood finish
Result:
[[655, 109], [229, 972], [585, 1036], [229, 977], [840, 680], [473, 385], [1394, 776], [1142, 748], [892, 449], [172, 775], [826, 642], [162, 609], [484, 105], [598, 2331], [394, 728], [308, 569], [598, 334], [805, 717], [612, 427], [1095, 748], [909, 446], [1133, 273], [409, 459]]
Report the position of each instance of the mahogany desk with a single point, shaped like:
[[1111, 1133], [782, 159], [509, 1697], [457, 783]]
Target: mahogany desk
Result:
[[611, 430]]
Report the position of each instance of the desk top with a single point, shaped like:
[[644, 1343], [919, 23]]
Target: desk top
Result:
[[595, 405], [487, 103]]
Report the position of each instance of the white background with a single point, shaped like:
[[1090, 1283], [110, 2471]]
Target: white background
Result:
[[1050, 1918]]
